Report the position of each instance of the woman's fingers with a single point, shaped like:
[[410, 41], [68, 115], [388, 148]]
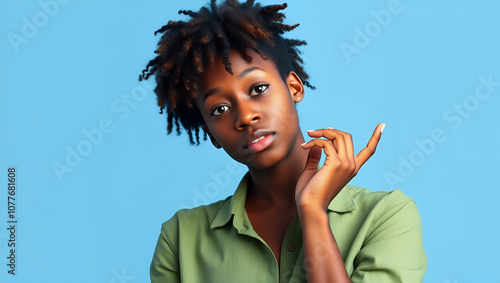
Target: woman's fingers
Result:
[[348, 144], [370, 148], [339, 146], [336, 138], [326, 145], [313, 159]]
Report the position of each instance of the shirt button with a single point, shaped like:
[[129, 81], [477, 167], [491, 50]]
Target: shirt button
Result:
[[291, 248]]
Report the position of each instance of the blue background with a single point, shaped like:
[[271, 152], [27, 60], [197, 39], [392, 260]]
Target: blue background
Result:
[[69, 68]]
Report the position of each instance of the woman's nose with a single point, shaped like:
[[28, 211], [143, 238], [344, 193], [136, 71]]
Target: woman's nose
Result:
[[247, 115]]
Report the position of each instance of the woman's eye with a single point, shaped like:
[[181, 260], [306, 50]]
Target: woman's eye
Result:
[[219, 110], [259, 89]]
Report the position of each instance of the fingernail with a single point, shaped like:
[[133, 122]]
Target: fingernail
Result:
[[310, 131], [382, 128], [303, 144], [330, 128]]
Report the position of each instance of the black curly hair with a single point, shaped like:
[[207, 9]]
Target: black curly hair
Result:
[[186, 48]]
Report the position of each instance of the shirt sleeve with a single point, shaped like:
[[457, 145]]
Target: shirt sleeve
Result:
[[165, 264], [393, 249]]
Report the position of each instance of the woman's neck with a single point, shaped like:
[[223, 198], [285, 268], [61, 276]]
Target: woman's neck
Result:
[[275, 186]]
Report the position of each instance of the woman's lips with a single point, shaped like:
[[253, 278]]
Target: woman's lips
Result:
[[256, 136], [261, 143]]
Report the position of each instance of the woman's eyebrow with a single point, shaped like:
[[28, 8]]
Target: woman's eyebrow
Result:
[[210, 92], [248, 71], [241, 75]]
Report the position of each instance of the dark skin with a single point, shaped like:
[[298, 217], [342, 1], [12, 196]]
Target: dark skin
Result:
[[252, 116]]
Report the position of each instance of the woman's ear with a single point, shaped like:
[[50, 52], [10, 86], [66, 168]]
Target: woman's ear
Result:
[[212, 139], [295, 86]]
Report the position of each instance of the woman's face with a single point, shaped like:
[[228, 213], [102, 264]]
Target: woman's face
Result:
[[251, 114]]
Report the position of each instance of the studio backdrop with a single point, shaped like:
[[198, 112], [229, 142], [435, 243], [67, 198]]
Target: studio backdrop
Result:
[[89, 173]]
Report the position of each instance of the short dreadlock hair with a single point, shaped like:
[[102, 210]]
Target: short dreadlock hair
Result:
[[187, 48]]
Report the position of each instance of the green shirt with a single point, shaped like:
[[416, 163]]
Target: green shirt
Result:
[[379, 235]]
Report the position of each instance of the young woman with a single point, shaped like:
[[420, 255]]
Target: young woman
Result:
[[229, 72]]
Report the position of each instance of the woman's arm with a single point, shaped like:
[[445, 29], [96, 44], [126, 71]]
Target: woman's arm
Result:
[[165, 264], [321, 254], [317, 188]]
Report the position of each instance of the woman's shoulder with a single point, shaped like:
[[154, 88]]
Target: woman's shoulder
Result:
[[363, 195], [362, 200], [197, 217]]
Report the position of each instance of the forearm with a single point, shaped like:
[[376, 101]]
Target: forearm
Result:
[[322, 256]]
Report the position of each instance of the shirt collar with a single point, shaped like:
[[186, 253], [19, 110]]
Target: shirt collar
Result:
[[343, 202], [235, 206]]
